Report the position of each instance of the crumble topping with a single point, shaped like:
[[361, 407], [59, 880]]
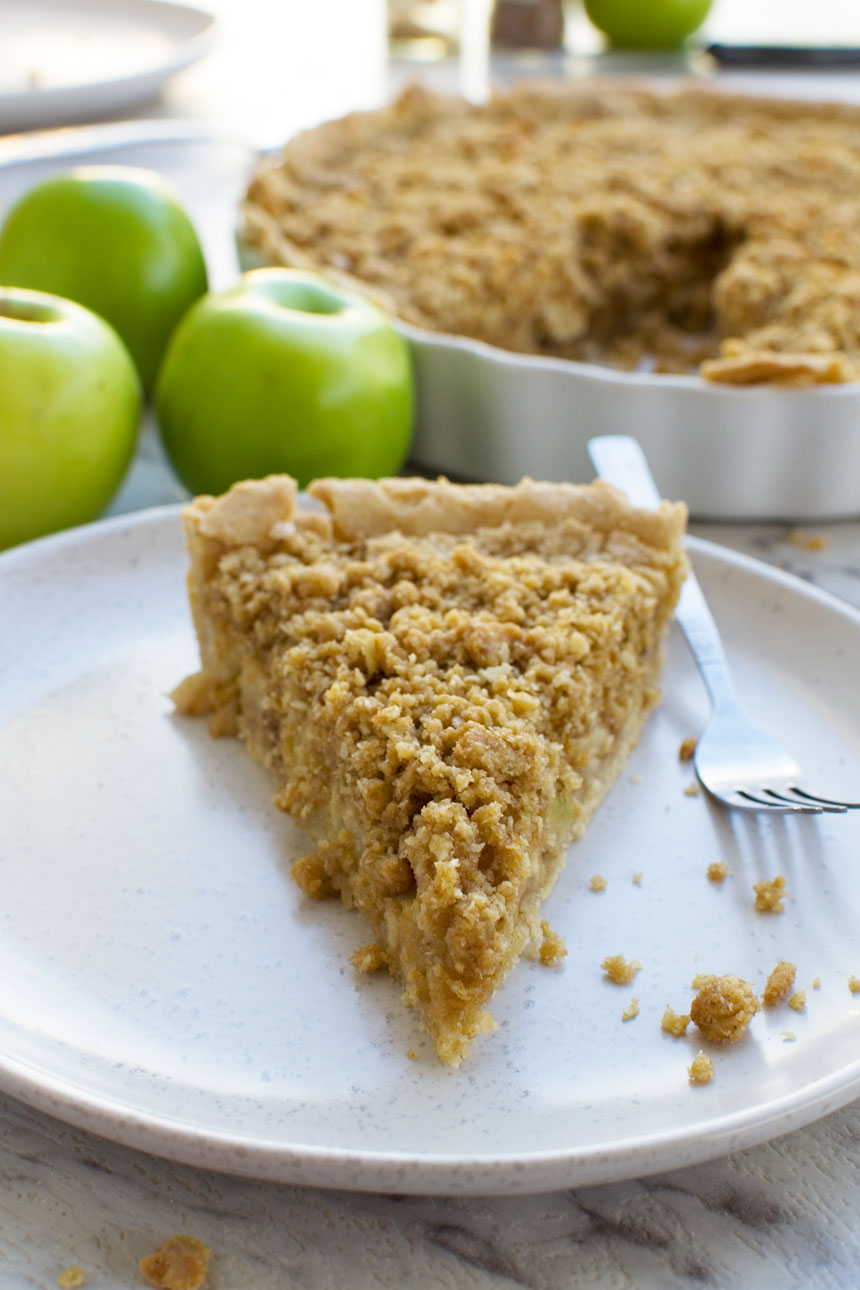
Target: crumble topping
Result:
[[619, 970], [778, 984], [552, 947], [769, 896], [674, 1023], [701, 1069], [798, 1001], [369, 958], [723, 1007], [602, 223], [441, 708], [180, 1263]]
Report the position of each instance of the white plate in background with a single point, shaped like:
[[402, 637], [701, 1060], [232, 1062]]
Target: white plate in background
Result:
[[63, 61], [164, 983]]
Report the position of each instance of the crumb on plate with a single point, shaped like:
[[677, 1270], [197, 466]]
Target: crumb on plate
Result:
[[769, 895], [687, 750], [692, 789], [701, 1069], [854, 984], [718, 871], [798, 1001], [619, 971], [674, 1023], [789, 1037], [637, 878], [180, 1263], [816, 983], [631, 1011], [552, 948], [778, 984], [723, 1007], [597, 882]]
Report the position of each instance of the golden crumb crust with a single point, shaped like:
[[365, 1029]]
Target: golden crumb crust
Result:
[[770, 895], [778, 983], [723, 1007], [597, 222], [620, 970], [701, 1069], [443, 681], [180, 1263]]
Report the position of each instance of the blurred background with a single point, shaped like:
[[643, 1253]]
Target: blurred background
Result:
[[265, 68]]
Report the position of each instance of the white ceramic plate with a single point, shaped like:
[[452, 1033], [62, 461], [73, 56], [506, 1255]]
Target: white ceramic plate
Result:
[[74, 60], [163, 983]]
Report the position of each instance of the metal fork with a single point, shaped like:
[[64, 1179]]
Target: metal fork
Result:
[[736, 761]]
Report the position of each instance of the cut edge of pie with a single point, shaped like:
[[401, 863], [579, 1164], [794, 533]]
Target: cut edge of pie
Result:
[[443, 681]]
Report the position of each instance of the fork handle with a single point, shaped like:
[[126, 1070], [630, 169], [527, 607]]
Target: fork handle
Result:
[[620, 460]]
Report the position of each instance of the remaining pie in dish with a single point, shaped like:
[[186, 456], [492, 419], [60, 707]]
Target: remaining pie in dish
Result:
[[599, 222], [443, 681]]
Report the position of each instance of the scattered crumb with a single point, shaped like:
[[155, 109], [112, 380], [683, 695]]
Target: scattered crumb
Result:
[[597, 882], [816, 983], [181, 1263], [675, 1023], [798, 1001], [718, 871], [412, 1055], [778, 984], [552, 947], [636, 779], [631, 1011], [701, 1069], [809, 541], [788, 1036], [71, 1278], [854, 984], [692, 790], [637, 878], [619, 971], [723, 1007], [688, 749], [770, 895], [369, 958]]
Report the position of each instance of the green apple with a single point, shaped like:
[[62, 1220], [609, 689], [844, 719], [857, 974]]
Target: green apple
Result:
[[284, 372], [113, 238], [69, 412], [647, 24]]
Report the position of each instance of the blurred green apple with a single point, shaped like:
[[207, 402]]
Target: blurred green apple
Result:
[[115, 239], [647, 24], [284, 372], [69, 411]]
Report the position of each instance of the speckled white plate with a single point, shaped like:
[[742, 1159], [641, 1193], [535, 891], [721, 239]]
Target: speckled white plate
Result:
[[164, 984]]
